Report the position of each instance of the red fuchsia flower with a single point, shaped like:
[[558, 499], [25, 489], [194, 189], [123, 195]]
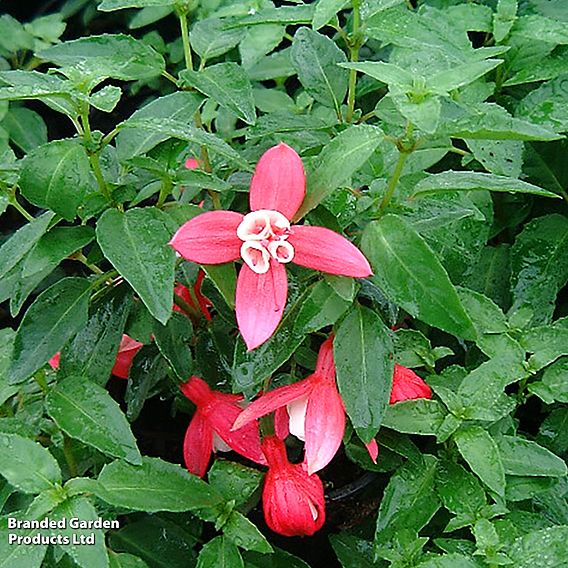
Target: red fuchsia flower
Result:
[[191, 164], [184, 293], [406, 385], [210, 427], [315, 409], [126, 352], [293, 501], [266, 242]]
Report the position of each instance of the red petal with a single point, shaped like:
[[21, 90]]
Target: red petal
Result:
[[198, 444], [210, 238], [322, 249], [191, 163], [373, 449], [325, 425], [260, 302], [54, 361], [126, 352], [273, 400], [325, 367], [245, 441], [279, 181], [281, 419], [406, 385]]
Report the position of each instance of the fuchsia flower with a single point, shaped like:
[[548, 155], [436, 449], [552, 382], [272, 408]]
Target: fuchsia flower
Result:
[[406, 385], [210, 427], [266, 242], [184, 293], [316, 410], [191, 164], [293, 501], [126, 352]]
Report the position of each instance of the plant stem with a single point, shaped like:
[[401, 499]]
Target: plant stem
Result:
[[169, 77], [354, 46], [185, 39], [164, 192], [94, 156], [83, 259], [402, 156], [16, 205]]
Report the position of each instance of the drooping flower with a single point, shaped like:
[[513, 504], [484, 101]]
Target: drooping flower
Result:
[[184, 293], [406, 385], [315, 408], [292, 500], [266, 242], [210, 427], [126, 351]]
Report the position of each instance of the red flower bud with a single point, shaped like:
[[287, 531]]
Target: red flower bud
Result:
[[293, 501], [406, 384]]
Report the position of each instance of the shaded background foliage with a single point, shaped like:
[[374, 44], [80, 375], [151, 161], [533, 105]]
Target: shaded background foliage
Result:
[[447, 167]]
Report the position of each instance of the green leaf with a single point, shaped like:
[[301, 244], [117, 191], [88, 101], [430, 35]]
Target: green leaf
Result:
[[547, 343], [547, 105], [156, 485], [92, 352], [168, 128], [284, 15], [554, 379], [388, 73], [323, 306], [409, 500], [7, 336], [26, 128], [364, 363], [315, 58], [449, 561], [419, 416], [209, 38], [19, 555], [160, 541], [526, 458], [460, 492], [148, 368], [49, 251], [553, 431], [220, 553], [179, 107], [338, 161], [227, 84], [224, 277], [56, 315], [93, 555], [107, 56], [541, 29], [490, 121], [325, 10], [55, 92], [504, 19], [481, 453], [57, 176], [352, 551], [86, 411], [136, 243], [107, 98], [17, 246], [173, 342], [471, 181], [545, 548], [539, 261], [243, 533], [111, 5], [234, 481], [258, 41], [26, 465], [370, 8], [410, 273]]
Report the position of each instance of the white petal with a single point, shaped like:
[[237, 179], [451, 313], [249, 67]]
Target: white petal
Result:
[[297, 414]]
